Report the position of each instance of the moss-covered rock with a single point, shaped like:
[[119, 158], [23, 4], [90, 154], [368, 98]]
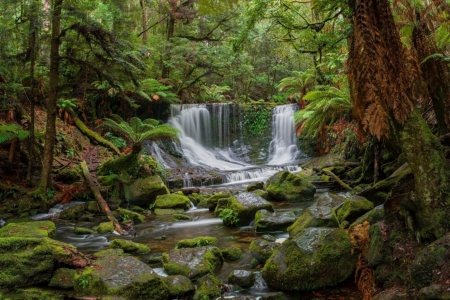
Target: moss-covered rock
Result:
[[197, 242], [315, 258], [63, 278], [72, 212], [262, 193], [180, 287], [143, 192], [167, 211], [372, 216], [35, 229], [110, 252], [105, 227], [32, 293], [232, 253], [242, 278], [214, 199], [129, 246], [274, 296], [353, 208], [121, 276], [92, 207], [126, 214], [181, 217], [66, 254], [255, 186], [208, 288], [172, 201], [320, 214], [262, 249], [192, 262], [273, 221], [285, 186], [196, 198], [82, 230]]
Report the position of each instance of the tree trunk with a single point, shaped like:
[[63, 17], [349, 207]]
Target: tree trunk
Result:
[[99, 198], [144, 21], [170, 32], [50, 131]]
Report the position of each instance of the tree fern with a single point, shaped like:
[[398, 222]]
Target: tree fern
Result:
[[11, 131]]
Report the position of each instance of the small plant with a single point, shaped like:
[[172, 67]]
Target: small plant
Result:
[[70, 153], [151, 206], [201, 243], [50, 193], [84, 282], [117, 141], [228, 217], [125, 217]]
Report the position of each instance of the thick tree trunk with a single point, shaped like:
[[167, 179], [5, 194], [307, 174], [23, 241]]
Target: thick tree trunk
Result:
[[50, 131], [144, 21], [99, 198]]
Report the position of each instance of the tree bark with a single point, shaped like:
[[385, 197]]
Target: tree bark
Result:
[[50, 131], [99, 198], [144, 21]]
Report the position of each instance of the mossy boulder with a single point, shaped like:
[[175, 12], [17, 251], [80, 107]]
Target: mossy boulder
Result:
[[197, 242], [255, 186], [143, 192], [372, 216], [196, 198], [32, 293], [110, 252], [123, 276], [180, 287], [63, 278], [172, 201], [232, 253], [82, 230], [72, 212], [105, 227], [273, 221], [93, 207], [167, 211], [214, 199], [181, 217], [262, 193], [285, 186], [315, 258], [320, 214], [208, 287], [242, 278], [262, 249], [35, 229], [129, 246], [244, 207], [353, 207], [192, 262], [126, 214]]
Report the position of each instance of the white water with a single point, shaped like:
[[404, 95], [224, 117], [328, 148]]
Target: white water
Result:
[[206, 141]]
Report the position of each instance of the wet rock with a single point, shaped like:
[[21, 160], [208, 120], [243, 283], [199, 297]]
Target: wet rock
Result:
[[262, 249], [110, 252], [172, 201], [274, 296], [255, 186], [263, 194], [232, 253], [125, 215], [129, 246], [121, 276], [243, 278], [180, 286], [92, 207], [273, 221], [82, 230], [395, 293], [72, 213], [143, 192], [190, 190], [196, 198], [63, 278], [208, 287], [214, 199], [105, 227], [285, 186], [315, 258], [320, 214], [197, 242], [181, 217], [192, 262], [165, 212], [353, 208]]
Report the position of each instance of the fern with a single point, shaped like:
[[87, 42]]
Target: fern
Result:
[[11, 131]]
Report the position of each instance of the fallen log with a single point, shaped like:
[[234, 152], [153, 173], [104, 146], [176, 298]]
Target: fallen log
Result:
[[338, 180], [99, 198]]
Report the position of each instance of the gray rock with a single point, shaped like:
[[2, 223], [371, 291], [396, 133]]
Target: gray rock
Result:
[[179, 286], [273, 221], [243, 278]]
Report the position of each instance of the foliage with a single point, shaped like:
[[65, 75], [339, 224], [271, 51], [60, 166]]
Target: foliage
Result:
[[228, 216], [256, 119], [296, 85], [118, 141], [12, 131]]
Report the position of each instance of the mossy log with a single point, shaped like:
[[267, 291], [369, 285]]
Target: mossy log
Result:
[[338, 180], [92, 134], [99, 198]]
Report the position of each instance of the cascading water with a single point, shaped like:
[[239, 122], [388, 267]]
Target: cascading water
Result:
[[211, 137]]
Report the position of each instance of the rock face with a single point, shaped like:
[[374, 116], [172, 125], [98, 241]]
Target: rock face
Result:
[[192, 262], [268, 221], [244, 207], [320, 214], [144, 191], [315, 258], [285, 186], [172, 201], [242, 278], [121, 276]]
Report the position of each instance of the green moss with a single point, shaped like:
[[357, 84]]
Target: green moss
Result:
[[307, 219], [181, 217], [172, 201], [72, 213], [353, 208], [214, 199], [167, 211], [196, 198], [105, 227], [130, 215], [285, 186], [92, 207], [110, 252], [372, 216], [232, 253], [197, 242], [86, 283], [32, 294], [208, 288], [29, 229], [81, 230], [129, 246], [63, 278], [126, 163], [179, 286], [262, 249]]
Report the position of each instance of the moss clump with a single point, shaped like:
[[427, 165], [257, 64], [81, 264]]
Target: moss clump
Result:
[[254, 186], [372, 216], [72, 213], [353, 208], [208, 288], [82, 230], [196, 198], [130, 215], [263, 194], [105, 227], [181, 217], [232, 253], [262, 249], [197, 242], [285, 186], [63, 278], [214, 199], [129, 246], [167, 211], [92, 207], [128, 163], [110, 252], [242, 278], [144, 191], [29, 229], [172, 201], [32, 294], [179, 286]]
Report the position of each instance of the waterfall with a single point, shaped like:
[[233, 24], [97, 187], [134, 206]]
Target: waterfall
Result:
[[283, 148]]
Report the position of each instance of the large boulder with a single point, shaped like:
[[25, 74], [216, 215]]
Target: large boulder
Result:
[[285, 186], [63, 278], [320, 214], [192, 262], [125, 214], [242, 278], [214, 199], [172, 201], [243, 207], [353, 208], [315, 258], [262, 249], [73, 212], [208, 287], [123, 276], [143, 192], [273, 221]]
